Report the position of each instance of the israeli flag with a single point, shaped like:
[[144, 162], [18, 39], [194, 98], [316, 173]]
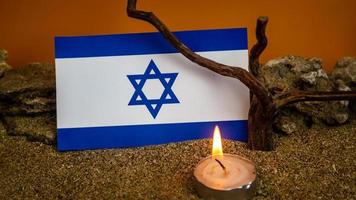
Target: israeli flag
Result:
[[132, 90]]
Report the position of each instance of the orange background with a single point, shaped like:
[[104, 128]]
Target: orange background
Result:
[[321, 28]]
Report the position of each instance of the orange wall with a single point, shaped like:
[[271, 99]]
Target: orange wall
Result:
[[322, 28]]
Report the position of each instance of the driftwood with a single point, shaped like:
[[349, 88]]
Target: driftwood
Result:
[[264, 107]]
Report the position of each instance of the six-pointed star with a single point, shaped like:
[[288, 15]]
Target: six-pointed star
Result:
[[139, 80]]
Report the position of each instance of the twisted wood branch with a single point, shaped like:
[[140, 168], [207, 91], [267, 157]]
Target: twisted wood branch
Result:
[[314, 96], [263, 107], [259, 47], [236, 72]]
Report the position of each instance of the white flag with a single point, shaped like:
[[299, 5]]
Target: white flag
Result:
[[135, 89]]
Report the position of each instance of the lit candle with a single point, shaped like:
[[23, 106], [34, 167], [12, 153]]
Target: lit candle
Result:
[[224, 176]]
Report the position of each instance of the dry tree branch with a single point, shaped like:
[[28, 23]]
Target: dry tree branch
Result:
[[263, 107], [314, 96], [259, 47], [236, 72]]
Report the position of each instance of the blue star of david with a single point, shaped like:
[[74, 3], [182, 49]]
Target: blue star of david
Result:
[[153, 105]]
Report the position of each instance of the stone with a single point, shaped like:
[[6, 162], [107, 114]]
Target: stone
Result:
[[331, 113], [290, 122], [40, 128], [29, 106], [345, 69], [3, 55], [344, 76], [35, 76], [2, 138], [28, 101], [2, 130], [4, 67], [293, 73], [28, 90]]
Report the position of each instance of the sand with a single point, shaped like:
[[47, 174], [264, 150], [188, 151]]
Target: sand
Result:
[[316, 164]]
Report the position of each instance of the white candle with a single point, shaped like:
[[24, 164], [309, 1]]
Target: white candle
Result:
[[238, 172], [224, 176]]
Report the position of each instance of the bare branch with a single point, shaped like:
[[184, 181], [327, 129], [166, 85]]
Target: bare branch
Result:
[[314, 96], [263, 108], [236, 72], [259, 47]]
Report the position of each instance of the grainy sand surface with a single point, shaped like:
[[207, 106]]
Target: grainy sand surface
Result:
[[317, 164]]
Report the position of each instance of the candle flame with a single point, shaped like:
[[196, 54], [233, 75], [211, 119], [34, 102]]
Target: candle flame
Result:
[[217, 146]]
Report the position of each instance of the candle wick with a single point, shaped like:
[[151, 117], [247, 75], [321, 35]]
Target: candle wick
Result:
[[221, 165]]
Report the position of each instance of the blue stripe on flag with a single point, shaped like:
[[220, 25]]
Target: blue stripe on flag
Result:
[[141, 135], [149, 43]]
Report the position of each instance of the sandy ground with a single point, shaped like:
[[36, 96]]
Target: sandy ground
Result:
[[317, 164]]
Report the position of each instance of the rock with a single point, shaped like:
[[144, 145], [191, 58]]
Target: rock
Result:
[[345, 70], [3, 55], [344, 76], [4, 67], [291, 73], [2, 130], [36, 128], [331, 113], [29, 78], [294, 73], [28, 101], [2, 139], [290, 122], [29, 106], [28, 90]]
